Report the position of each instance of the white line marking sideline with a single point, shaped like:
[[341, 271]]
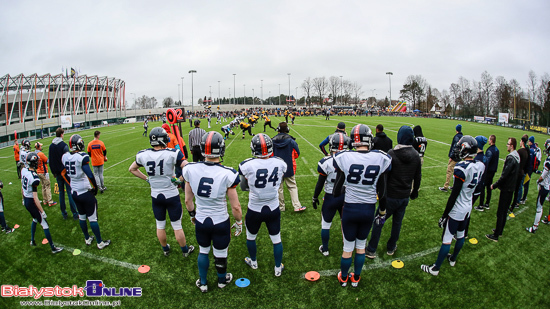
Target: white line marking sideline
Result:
[[103, 259]]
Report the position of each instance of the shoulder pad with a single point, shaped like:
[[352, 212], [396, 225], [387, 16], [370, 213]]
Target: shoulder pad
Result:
[[247, 160], [323, 160]]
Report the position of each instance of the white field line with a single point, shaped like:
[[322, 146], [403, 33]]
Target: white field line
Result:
[[103, 259], [435, 166], [119, 163]]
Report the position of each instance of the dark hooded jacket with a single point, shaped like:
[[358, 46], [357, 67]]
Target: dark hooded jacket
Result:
[[406, 167], [507, 180], [286, 148], [382, 142], [55, 152]]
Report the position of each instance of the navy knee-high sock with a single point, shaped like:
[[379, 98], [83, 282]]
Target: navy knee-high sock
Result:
[[458, 246], [325, 236], [3, 221], [443, 251], [49, 237], [84, 228], [203, 263], [33, 230], [278, 253], [358, 264], [97, 233], [251, 245], [345, 264]]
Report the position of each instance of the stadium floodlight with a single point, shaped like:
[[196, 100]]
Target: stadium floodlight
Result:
[[192, 71]]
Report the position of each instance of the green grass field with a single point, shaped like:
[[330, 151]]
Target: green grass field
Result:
[[507, 274]]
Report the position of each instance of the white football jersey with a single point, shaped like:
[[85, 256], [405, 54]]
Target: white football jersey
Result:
[[160, 168], [73, 166], [362, 170], [470, 172], [28, 180], [545, 183], [23, 157], [264, 178], [209, 183], [326, 167]]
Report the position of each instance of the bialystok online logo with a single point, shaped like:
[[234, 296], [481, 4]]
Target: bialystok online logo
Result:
[[93, 288]]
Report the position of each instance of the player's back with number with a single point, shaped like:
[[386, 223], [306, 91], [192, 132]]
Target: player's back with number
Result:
[[73, 165], [160, 165], [470, 172], [362, 170], [264, 178], [209, 183]]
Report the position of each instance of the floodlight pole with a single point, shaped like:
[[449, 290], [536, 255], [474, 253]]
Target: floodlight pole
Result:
[[389, 76], [192, 72]]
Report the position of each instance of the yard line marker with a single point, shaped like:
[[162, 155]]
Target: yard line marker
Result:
[[103, 259], [120, 162]]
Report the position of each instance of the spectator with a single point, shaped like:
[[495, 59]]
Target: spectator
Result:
[[491, 158], [420, 142], [507, 185], [145, 126], [381, 140], [538, 153], [195, 137], [534, 161], [285, 147], [341, 128], [42, 171], [523, 153], [16, 156], [97, 151], [544, 187], [406, 169], [55, 152], [453, 159]]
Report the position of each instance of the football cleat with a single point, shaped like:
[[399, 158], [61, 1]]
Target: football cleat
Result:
[[391, 252], [429, 269], [252, 264], [89, 240], [10, 230], [370, 254], [443, 189], [492, 237], [166, 252], [279, 270], [33, 243], [531, 229], [103, 244], [354, 283], [522, 202], [190, 250], [451, 262], [202, 287], [479, 208], [545, 221], [343, 282], [228, 278], [56, 250], [52, 204], [325, 253]]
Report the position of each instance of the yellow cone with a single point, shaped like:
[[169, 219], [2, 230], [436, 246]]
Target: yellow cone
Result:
[[397, 264]]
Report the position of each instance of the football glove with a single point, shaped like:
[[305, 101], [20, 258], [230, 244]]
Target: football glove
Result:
[[93, 190], [43, 214], [442, 221], [192, 214], [315, 202], [414, 195], [238, 226], [380, 219], [147, 179], [176, 181]]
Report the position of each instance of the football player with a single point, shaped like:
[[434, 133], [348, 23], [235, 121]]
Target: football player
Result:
[[78, 175], [246, 127], [160, 163], [227, 129], [267, 122], [29, 189], [327, 175], [363, 172], [420, 142], [24, 152], [5, 227], [262, 176], [211, 184], [544, 187], [455, 218]]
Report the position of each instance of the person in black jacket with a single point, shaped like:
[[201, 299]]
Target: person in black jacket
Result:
[[341, 128], [492, 158], [523, 153], [420, 142], [381, 140], [406, 167], [452, 159], [56, 151], [507, 185]]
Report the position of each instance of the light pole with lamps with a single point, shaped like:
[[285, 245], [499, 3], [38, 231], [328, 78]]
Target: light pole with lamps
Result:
[[296, 98], [234, 88], [244, 94], [135, 109], [252, 96], [262, 91], [279, 94], [341, 88], [389, 76], [192, 98], [288, 86], [219, 94]]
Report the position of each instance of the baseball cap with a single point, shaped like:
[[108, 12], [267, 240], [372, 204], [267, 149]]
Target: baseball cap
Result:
[[341, 125]]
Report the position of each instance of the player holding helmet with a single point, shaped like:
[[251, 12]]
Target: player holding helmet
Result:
[[210, 184], [262, 176], [363, 172], [467, 173], [77, 168], [160, 163]]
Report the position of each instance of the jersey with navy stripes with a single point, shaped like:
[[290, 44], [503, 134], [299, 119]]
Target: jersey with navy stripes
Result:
[[29, 179], [326, 167], [470, 172], [160, 168], [73, 163], [264, 178]]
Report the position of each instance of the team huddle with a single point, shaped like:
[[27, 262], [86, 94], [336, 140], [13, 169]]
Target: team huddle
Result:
[[358, 172]]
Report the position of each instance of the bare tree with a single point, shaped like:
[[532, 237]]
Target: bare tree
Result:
[[320, 86], [167, 102], [413, 89], [455, 93], [487, 89], [307, 87], [334, 86], [356, 92]]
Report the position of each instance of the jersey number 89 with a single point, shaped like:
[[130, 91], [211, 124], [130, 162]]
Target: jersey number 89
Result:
[[367, 178]]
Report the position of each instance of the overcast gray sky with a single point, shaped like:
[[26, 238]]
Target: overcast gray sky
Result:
[[152, 45]]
